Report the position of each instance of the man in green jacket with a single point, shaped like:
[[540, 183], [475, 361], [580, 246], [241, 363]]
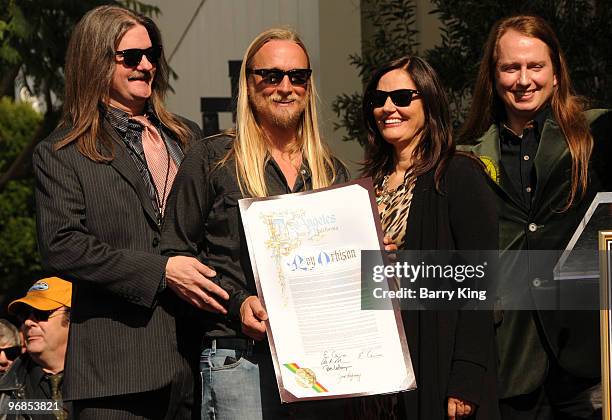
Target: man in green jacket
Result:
[[547, 157]]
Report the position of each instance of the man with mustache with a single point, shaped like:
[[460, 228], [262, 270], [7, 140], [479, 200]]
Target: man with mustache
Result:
[[44, 314], [275, 149], [103, 178], [547, 157]]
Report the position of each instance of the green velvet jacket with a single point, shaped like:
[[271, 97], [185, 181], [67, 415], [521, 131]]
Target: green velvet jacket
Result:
[[528, 340]]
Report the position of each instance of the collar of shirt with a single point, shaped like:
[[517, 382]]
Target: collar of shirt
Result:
[[37, 374], [39, 386], [302, 182], [508, 135], [120, 120]]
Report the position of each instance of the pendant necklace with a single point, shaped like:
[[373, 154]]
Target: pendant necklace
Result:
[[384, 195]]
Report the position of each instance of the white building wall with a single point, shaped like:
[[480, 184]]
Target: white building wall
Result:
[[428, 25], [340, 36]]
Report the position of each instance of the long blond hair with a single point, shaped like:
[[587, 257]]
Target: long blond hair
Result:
[[250, 149], [90, 64]]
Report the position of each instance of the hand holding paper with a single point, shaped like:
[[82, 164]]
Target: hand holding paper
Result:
[[253, 317]]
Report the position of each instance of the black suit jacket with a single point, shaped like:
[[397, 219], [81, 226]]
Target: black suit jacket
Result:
[[97, 228]]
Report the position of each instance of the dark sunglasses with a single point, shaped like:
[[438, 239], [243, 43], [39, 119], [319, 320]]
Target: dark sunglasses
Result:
[[400, 97], [11, 353], [297, 77], [133, 56], [37, 314]]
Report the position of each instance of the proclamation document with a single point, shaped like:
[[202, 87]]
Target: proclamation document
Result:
[[305, 249]]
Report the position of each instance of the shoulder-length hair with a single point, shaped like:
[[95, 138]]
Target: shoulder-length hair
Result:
[[567, 108], [250, 147], [435, 145], [90, 65]]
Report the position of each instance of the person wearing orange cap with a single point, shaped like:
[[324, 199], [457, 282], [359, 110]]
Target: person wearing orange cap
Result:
[[44, 314]]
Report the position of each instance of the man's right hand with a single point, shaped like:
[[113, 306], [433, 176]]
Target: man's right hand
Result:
[[190, 280], [253, 317]]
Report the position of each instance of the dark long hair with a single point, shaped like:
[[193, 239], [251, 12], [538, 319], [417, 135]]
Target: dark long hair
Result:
[[435, 146], [567, 108], [90, 65]]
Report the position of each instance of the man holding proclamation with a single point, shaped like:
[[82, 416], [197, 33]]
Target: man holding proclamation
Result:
[[546, 157], [275, 149], [102, 183]]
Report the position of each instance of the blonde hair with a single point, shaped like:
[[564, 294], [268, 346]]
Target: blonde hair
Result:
[[250, 149]]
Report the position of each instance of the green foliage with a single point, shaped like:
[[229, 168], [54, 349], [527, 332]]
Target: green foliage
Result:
[[394, 35], [583, 28], [18, 253], [19, 260], [12, 24], [17, 125], [348, 109]]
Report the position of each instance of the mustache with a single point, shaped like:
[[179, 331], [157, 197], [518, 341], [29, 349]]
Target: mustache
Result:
[[279, 98], [140, 75]]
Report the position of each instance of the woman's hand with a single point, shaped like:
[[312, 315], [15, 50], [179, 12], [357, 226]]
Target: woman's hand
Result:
[[390, 246], [458, 409]]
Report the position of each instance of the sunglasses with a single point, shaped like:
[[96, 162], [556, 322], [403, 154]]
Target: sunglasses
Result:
[[37, 314], [133, 56], [400, 97], [11, 353], [297, 77]]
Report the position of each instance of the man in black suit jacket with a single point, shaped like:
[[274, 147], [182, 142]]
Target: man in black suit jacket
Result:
[[102, 182]]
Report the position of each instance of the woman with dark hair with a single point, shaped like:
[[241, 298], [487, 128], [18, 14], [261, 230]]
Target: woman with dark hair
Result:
[[428, 196]]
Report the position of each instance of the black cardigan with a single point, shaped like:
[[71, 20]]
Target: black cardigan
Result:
[[453, 352]]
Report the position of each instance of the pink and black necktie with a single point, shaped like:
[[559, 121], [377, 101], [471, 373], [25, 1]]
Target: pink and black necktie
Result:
[[161, 165]]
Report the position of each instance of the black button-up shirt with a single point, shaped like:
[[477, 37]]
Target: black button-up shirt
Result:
[[202, 219], [518, 153]]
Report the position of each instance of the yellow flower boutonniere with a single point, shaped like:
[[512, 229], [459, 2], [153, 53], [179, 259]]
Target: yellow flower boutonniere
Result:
[[491, 168]]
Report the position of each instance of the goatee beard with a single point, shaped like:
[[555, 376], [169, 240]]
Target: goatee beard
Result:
[[282, 118], [286, 119]]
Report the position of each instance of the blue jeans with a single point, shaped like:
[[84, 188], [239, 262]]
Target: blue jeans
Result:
[[238, 385], [232, 386]]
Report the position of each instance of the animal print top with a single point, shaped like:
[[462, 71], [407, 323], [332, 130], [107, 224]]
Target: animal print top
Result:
[[395, 208]]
